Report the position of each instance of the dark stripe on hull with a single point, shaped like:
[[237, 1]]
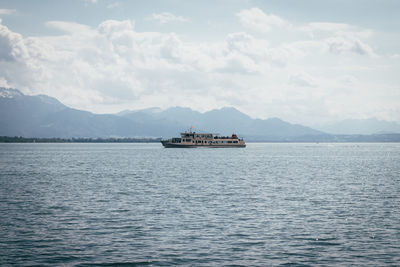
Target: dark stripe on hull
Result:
[[171, 145]]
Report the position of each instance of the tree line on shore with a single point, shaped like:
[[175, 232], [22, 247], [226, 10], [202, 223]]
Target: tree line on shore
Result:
[[20, 139]]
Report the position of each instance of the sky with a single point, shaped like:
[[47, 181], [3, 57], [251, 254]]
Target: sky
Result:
[[309, 62]]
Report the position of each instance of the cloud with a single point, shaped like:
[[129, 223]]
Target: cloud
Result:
[[302, 79], [166, 17], [115, 27], [237, 63], [68, 27], [258, 50], [335, 45], [337, 38], [339, 45], [256, 19], [4, 83], [316, 29], [114, 66], [4, 11], [348, 80], [12, 46], [327, 26], [114, 5]]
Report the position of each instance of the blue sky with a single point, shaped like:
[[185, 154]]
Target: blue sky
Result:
[[306, 62]]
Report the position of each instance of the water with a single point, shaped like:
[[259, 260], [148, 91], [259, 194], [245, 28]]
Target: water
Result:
[[141, 204]]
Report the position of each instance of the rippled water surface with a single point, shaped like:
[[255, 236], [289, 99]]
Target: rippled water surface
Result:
[[267, 204]]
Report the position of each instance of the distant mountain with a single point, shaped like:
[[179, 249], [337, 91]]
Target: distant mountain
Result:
[[225, 121], [46, 117], [367, 126], [43, 116]]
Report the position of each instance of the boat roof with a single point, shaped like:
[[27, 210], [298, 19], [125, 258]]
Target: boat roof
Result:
[[200, 133]]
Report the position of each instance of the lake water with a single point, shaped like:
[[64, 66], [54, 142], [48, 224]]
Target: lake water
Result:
[[141, 204]]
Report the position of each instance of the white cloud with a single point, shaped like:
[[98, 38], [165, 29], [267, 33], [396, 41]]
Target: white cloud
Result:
[[337, 45], [340, 45], [238, 64], [256, 19], [327, 29], [12, 46], [166, 17], [302, 79], [68, 27], [114, 5], [114, 66], [4, 83], [115, 27], [258, 50], [4, 11], [348, 80], [91, 1], [327, 26]]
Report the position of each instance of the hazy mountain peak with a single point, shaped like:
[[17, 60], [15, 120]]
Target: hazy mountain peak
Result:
[[151, 110], [274, 119], [9, 92], [44, 116], [49, 100], [180, 112], [360, 126], [176, 108], [228, 111]]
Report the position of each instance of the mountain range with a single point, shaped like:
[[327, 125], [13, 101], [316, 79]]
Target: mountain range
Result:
[[44, 116], [363, 126]]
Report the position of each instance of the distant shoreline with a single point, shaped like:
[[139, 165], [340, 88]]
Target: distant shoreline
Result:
[[379, 138], [19, 139]]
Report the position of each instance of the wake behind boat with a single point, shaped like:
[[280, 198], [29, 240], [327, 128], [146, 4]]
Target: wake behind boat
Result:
[[193, 139]]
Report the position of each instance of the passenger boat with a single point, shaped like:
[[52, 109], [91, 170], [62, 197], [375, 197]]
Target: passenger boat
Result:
[[193, 139]]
